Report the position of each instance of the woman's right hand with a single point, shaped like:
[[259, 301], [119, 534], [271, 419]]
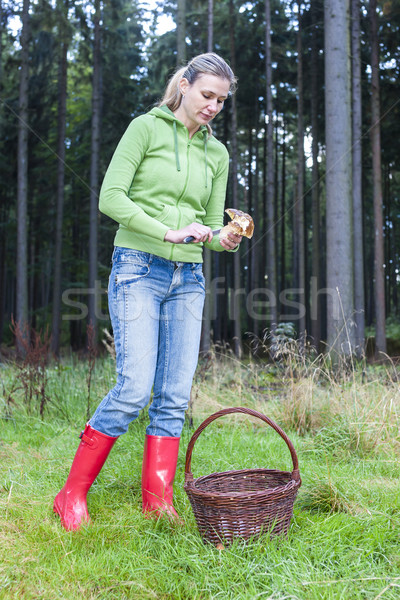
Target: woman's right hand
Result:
[[200, 233]]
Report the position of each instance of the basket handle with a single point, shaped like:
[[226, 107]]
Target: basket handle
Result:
[[247, 411]]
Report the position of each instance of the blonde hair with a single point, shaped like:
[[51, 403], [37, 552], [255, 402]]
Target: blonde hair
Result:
[[203, 64]]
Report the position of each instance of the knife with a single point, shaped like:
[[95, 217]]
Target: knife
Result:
[[190, 238]]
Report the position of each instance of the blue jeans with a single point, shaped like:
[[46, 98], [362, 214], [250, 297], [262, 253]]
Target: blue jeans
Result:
[[156, 308]]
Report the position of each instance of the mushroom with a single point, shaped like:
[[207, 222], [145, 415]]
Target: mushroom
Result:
[[241, 224]]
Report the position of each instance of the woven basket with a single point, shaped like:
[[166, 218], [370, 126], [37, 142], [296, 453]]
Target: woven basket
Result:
[[242, 504]]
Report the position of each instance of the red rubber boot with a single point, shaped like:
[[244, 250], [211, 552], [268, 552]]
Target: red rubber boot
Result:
[[159, 466], [70, 502]]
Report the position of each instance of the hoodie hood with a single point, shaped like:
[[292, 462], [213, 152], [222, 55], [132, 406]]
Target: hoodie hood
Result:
[[164, 112]]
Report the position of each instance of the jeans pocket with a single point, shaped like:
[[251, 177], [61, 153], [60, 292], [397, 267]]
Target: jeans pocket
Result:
[[132, 265], [131, 274]]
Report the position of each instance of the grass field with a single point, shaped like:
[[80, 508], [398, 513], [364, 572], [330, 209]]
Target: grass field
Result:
[[344, 540]]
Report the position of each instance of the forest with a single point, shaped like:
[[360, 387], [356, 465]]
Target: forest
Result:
[[301, 325], [312, 133]]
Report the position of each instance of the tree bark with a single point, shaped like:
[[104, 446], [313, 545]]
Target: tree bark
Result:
[[379, 258], [255, 212], [269, 188], [181, 33], [339, 229], [393, 248], [22, 191], [3, 272], [237, 335], [300, 260], [207, 255], [62, 117], [387, 239], [315, 204], [282, 285], [94, 168], [3, 207], [359, 304], [210, 28], [1, 45]]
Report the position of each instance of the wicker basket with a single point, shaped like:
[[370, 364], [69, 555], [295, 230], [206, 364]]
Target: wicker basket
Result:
[[242, 504]]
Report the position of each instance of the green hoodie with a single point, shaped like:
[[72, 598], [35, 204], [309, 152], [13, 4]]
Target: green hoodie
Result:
[[159, 179]]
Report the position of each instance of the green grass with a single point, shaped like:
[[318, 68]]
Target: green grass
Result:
[[344, 539]]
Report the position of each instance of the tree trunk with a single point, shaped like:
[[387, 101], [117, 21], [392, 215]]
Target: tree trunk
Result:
[[276, 210], [315, 208], [282, 285], [3, 207], [1, 47], [62, 116], [94, 168], [3, 271], [359, 305], [254, 245], [22, 191], [210, 15], [300, 261], [338, 179], [269, 188], [248, 207], [379, 258], [181, 33], [207, 254], [387, 239], [393, 249], [237, 341]]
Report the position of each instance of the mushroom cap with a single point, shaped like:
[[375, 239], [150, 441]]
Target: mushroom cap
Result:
[[241, 220]]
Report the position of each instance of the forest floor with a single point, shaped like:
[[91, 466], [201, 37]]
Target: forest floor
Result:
[[343, 541]]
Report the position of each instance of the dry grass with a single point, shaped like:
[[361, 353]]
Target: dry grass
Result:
[[348, 410]]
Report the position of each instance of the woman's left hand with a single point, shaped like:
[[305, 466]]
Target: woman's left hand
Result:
[[230, 242]]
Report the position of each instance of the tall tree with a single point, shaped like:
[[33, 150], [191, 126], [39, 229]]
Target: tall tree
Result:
[[61, 127], [1, 42], [356, 95], [338, 178], [270, 182], [379, 257], [3, 208], [94, 167], [22, 193], [254, 247], [181, 32], [299, 249], [237, 335], [210, 26], [207, 258], [283, 211], [315, 201]]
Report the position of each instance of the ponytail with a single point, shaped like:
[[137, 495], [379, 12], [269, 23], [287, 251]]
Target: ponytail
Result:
[[173, 95]]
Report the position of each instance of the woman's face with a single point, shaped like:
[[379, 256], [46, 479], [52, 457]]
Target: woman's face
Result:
[[202, 100]]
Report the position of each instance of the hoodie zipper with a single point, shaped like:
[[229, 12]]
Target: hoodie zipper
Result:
[[188, 145]]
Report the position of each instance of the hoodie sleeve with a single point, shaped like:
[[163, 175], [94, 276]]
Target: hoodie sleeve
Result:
[[215, 208], [114, 200]]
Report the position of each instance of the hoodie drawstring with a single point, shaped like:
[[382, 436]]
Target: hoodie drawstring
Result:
[[205, 134], [178, 164]]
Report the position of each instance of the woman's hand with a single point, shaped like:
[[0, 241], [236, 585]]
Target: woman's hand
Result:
[[231, 241], [200, 233]]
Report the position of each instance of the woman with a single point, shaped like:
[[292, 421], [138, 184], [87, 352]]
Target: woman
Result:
[[166, 182]]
